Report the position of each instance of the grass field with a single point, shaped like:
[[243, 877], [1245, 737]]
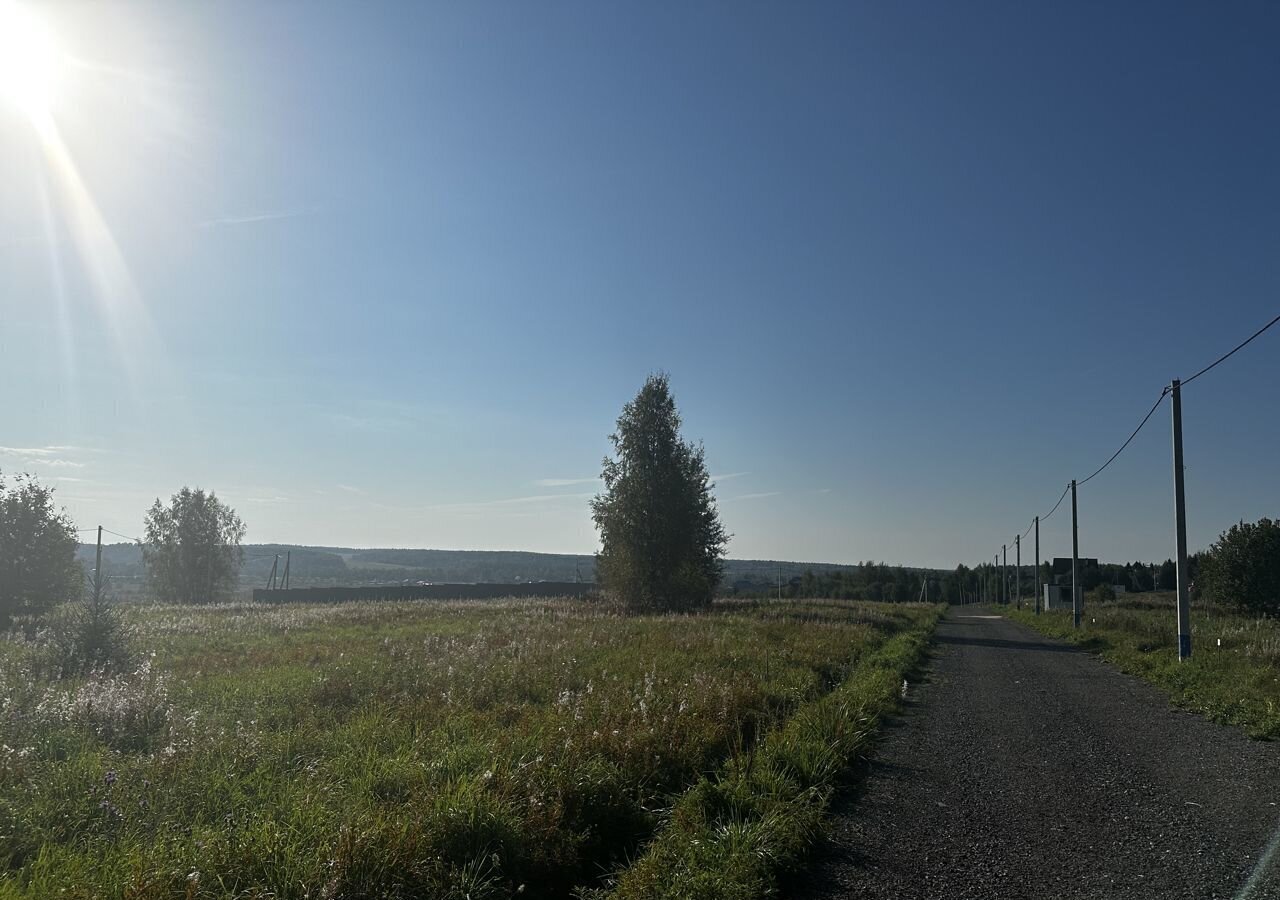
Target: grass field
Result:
[[1233, 675], [480, 750]]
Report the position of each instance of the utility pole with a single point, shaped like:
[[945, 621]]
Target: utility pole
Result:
[[1038, 590], [1004, 574], [288, 557], [1180, 523], [271, 579], [1077, 599], [1017, 548], [97, 572], [779, 584]]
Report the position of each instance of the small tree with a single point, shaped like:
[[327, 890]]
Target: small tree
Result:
[[38, 566], [192, 552], [1242, 568], [661, 541], [90, 634]]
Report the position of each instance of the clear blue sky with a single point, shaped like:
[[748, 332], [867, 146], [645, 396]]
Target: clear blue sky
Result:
[[384, 274]]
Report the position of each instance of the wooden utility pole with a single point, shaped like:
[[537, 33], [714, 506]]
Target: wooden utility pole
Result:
[[1180, 525], [97, 572], [1077, 598], [288, 557], [271, 580]]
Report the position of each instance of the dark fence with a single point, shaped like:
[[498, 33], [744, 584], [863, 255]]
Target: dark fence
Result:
[[424, 592]]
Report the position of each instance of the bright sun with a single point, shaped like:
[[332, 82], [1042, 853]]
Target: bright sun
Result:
[[29, 60]]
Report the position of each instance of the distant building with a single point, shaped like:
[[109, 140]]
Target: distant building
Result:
[[1058, 596], [1062, 567]]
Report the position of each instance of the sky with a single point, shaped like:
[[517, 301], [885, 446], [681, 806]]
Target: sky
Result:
[[384, 274]]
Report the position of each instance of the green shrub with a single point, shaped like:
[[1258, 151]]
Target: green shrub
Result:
[[85, 636], [1242, 568]]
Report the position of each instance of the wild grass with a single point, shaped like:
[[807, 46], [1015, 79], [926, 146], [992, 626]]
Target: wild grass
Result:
[[476, 749], [737, 831], [1233, 675]]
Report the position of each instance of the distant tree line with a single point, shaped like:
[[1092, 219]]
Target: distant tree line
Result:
[[191, 553], [867, 581]]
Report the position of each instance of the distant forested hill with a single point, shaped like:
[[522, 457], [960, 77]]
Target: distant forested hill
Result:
[[324, 566]]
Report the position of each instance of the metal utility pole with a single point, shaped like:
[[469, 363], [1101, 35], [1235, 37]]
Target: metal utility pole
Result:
[[1038, 589], [1077, 599], [97, 572], [1180, 523], [1017, 549]]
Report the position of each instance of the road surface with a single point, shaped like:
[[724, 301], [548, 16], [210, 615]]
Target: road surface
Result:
[[1024, 768]]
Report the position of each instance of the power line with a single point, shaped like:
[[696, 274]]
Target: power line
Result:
[[1224, 358], [125, 536], [1066, 490], [1164, 393], [1051, 512], [109, 531]]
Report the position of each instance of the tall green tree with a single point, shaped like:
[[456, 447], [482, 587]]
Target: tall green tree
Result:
[[661, 540], [192, 550], [38, 567], [1242, 567]]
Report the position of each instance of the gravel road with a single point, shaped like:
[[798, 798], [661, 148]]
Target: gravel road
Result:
[[1023, 768]]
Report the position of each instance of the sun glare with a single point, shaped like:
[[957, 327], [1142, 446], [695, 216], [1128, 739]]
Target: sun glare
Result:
[[29, 60]]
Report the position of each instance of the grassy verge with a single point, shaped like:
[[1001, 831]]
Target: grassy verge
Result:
[[1233, 675], [479, 750], [737, 831]]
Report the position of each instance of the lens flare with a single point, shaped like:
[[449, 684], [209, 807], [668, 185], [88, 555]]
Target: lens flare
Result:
[[30, 61]]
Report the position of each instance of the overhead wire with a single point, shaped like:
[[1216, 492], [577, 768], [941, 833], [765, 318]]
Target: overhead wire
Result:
[[1227, 356], [1065, 491], [125, 536], [1163, 393]]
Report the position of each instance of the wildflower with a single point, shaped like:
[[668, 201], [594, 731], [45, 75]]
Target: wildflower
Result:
[[110, 777]]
